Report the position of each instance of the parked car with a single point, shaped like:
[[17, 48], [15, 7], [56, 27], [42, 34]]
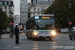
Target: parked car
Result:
[[72, 34], [5, 31], [20, 31]]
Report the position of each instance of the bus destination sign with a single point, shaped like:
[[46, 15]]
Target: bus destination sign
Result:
[[43, 17]]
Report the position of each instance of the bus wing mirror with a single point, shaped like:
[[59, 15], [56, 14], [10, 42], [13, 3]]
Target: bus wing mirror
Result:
[[32, 19]]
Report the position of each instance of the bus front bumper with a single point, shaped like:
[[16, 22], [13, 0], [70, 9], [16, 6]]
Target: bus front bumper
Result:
[[43, 36]]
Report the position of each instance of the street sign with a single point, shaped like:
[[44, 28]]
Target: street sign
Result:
[[11, 23], [70, 23]]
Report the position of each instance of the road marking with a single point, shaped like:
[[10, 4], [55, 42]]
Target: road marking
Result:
[[17, 47], [35, 48]]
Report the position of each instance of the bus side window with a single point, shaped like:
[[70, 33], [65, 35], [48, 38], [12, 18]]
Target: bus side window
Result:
[[32, 23], [27, 26]]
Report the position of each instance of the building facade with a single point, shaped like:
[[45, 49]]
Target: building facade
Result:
[[5, 6], [29, 10], [23, 11], [16, 19], [38, 6]]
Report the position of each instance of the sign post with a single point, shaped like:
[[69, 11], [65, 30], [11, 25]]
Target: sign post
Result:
[[70, 23], [11, 23]]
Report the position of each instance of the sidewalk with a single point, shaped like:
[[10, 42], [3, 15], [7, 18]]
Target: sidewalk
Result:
[[6, 36]]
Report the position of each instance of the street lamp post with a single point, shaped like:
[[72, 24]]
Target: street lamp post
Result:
[[69, 15], [11, 32]]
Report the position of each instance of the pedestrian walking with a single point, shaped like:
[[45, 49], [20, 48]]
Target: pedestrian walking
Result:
[[16, 29]]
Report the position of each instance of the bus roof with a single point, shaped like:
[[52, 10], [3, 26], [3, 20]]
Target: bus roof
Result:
[[41, 15], [45, 15]]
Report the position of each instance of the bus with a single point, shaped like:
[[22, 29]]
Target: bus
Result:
[[41, 26]]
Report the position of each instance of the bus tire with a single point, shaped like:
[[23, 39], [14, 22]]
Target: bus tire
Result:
[[32, 38], [28, 38], [50, 38]]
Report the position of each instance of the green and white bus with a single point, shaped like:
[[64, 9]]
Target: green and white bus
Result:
[[41, 26]]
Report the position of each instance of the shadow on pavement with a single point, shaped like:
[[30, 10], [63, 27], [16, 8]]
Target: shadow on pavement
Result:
[[42, 39]]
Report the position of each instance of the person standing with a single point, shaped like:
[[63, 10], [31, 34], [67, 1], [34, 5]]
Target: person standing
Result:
[[16, 29]]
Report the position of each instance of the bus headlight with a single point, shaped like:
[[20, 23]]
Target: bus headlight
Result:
[[35, 33], [53, 33]]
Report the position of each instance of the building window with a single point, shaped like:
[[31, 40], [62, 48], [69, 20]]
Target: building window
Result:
[[50, 0], [50, 3], [5, 7], [9, 16], [37, 3], [22, 6], [0, 3], [26, 1], [0, 7], [34, 10], [34, 3], [9, 12], [6, 12], [38, 9], [9, 7], [9, 3], [17, 18], [5, 3], [42, 9]]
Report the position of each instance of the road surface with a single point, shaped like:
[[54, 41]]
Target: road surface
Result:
[[61, 42]]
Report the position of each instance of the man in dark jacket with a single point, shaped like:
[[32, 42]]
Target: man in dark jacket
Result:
[[16, 34]]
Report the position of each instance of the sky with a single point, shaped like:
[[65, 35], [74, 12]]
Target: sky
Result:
[[17, 7]]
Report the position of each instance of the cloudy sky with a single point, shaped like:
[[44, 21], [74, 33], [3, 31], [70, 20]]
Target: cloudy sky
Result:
[[17, 7]]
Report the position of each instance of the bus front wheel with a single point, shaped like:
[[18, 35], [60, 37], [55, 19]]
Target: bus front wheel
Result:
[[28, 38], [50, 38]]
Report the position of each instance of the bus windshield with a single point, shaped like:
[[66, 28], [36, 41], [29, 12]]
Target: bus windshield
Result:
[[44, 24]]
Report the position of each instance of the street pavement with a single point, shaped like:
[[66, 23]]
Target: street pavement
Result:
[[61, 42]]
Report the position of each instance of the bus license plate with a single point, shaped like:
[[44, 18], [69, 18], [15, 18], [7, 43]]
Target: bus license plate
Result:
[[43, 34]]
